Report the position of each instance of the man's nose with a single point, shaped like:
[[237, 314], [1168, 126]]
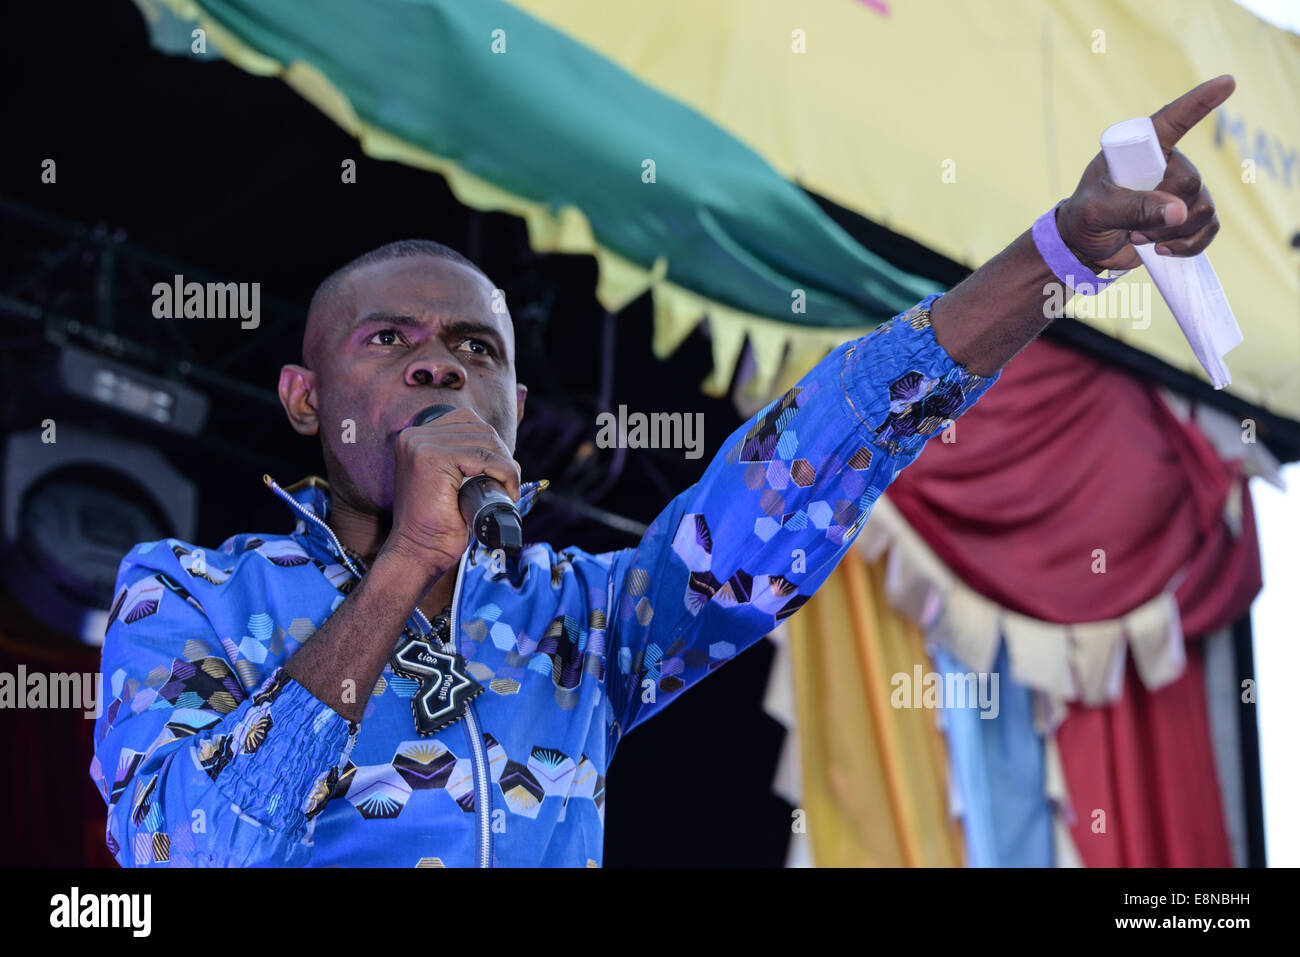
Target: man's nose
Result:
[[435, 365]]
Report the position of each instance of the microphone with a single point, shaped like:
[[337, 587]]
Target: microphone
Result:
[[486, 508]]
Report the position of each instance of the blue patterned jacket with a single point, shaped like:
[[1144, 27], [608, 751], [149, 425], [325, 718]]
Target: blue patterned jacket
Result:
[[207, 754]]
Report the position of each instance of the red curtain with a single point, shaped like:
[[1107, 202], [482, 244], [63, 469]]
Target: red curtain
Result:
[[1065, 456], [51, 813], [1142, 780]]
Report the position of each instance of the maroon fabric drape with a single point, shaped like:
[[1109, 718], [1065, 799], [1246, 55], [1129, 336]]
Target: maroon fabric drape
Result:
[[51, 814], [1062, 457], [1145, 763]]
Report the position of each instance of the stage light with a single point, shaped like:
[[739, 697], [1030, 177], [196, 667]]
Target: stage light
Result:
[[72, 509], [161, 401]]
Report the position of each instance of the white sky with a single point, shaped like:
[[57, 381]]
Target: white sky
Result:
[[1276, 612], [1281, 13], [1275, 618]]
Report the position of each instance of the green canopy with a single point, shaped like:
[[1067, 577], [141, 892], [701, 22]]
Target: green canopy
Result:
[[521, 117]]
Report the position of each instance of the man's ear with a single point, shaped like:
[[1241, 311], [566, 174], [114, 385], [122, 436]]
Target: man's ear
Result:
[[297, 390], [521, 393]]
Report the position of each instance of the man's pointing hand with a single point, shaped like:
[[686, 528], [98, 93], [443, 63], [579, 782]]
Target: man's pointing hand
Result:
[[1101, 222]]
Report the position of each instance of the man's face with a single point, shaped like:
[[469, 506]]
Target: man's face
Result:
[[399, 336]]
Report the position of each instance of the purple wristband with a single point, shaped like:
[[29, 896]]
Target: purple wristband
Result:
[[1064, 263]]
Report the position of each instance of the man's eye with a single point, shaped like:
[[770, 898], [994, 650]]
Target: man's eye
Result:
[[385, 332], [477, 346]]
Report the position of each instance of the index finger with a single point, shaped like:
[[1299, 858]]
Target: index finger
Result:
[[1174, 119]]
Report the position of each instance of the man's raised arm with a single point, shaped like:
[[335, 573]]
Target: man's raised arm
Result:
[[782, 501], [775, 511]]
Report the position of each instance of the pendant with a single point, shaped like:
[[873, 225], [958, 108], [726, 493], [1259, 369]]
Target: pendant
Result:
[[445, 687]]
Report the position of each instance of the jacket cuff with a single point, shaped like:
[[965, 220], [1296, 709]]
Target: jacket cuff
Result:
[[283, 755], [903, 387]]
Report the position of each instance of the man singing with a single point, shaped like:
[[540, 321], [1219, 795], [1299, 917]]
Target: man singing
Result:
[[376, 689]]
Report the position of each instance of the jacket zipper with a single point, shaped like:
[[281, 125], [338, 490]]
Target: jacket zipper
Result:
[[478, 760]]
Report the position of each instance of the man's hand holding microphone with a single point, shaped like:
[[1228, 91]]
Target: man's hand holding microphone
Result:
[[452, 463], [429, 534]]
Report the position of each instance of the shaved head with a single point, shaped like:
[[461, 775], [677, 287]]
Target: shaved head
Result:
[[333, 291]]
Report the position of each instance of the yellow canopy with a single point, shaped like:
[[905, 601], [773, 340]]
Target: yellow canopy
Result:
[[957, 124]]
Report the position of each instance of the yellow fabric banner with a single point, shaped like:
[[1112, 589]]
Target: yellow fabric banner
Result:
[[874, 776], [957, 124]]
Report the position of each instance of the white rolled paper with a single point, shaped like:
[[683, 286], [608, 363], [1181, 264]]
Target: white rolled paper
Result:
[[1187, 283]]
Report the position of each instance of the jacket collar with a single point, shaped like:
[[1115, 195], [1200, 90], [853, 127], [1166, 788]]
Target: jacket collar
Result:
[[312, 495]]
